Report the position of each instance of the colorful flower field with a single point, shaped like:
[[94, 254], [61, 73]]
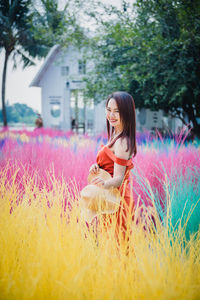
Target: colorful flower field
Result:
[[48, 251]]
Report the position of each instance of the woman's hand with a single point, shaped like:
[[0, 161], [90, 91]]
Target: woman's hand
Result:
[[98, 181], [94, 169]]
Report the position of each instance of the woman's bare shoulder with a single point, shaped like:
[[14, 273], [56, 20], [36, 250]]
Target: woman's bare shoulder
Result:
[[120, 148]]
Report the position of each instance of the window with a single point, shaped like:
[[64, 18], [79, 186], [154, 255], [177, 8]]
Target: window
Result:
[[55, 107], [55, 110], [155, 117], [65, 70], [82, 67]]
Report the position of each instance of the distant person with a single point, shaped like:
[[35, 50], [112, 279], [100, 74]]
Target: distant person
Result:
[[74, 124], [39, 122]]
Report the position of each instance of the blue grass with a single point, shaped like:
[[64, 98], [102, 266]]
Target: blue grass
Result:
[[185, 202], [181, 200]]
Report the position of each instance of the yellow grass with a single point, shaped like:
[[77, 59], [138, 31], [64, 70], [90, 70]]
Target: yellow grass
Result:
[[44, 254]]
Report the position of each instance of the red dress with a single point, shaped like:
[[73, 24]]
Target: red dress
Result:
[[106, 159]]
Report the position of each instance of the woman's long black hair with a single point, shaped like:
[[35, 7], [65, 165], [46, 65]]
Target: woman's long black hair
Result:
[[126, 106]]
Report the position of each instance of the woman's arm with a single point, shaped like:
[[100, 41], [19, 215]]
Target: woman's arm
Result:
[[118, 177]]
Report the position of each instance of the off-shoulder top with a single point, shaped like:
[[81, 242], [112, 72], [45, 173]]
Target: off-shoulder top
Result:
[[106, 159]]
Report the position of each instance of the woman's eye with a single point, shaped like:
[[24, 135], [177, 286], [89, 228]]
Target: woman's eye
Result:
[[115, 111]]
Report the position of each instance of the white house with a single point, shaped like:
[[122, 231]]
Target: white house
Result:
[[60, 79], [63, 103]]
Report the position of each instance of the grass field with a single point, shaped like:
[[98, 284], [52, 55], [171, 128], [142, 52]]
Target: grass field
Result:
[[47, 250]]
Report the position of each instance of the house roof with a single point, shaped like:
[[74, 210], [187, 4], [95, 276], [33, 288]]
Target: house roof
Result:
[[49, 58]]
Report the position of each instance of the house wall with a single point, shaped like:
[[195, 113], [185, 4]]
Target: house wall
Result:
[[147, 119], [99, 118], [57, 88], [52, 91]]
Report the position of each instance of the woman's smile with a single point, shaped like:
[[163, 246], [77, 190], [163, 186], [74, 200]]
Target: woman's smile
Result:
[[112, 114]]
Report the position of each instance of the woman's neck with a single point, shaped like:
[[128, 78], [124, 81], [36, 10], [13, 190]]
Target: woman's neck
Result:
[[117, 132], [115, 135]]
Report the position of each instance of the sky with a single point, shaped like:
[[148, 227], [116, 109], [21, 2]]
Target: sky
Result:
[[17, 84], [18, 81]]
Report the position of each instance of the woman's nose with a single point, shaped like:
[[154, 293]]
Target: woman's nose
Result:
[[112, 114]]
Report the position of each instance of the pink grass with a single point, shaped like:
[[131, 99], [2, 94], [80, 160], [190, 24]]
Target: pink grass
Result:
[[43, 154]]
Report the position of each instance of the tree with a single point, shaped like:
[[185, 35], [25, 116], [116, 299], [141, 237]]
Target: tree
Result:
[[16, 37], [173, 58], [152, 51], [27, 32], [52, 25], [20, 113]]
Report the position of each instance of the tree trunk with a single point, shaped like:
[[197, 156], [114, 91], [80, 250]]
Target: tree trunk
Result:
[[189, 109], [196, 130], [193, 119], [4, 89], [76, 109]]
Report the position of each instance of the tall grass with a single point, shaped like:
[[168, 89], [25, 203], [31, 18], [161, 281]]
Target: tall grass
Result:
[[47, 250]]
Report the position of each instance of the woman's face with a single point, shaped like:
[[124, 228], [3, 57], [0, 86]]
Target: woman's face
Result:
[[113, 116]]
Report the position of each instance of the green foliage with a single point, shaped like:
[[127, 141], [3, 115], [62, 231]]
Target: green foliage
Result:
[[28, 32], [20, 113], [16, 36], [52, 25], [30, 28], [151, 50]]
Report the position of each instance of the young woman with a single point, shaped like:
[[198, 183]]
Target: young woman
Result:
[[116, 156]]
